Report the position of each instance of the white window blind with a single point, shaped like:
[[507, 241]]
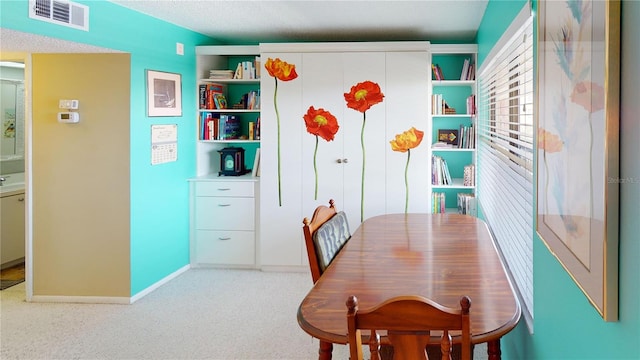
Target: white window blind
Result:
[[505, 155]]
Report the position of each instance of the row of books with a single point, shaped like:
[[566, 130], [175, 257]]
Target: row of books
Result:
[[467, 139], [222, 127], [211, 96], [468, 71], [467, 204], [471, 105], [248, 69], [251, 100], [440, 107], [438, 202], [440, 171]]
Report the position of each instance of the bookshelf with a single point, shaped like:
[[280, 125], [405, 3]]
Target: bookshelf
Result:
[[453, 88], [227, 59], [224, 210]]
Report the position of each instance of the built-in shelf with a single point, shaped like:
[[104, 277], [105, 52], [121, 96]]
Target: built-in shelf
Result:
[[456, 183], [453, 83]]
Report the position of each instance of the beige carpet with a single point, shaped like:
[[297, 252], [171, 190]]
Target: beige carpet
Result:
[[202, 314]]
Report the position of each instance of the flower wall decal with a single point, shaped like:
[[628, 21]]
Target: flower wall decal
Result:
[[322, 124], [280, 70], [361, 97], [404, 142]]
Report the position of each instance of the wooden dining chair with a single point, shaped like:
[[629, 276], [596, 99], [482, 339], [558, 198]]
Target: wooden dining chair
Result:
[[408, 321], [324, 235]]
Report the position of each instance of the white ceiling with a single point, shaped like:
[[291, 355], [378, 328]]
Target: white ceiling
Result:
[[242, 21], [320, 20]]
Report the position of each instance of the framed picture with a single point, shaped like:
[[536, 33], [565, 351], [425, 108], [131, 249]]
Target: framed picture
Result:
[[164, 93], [448, 136], [578, 128]]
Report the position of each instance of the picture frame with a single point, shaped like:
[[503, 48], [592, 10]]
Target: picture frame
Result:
[[164, 93], [578, 130], [448, 136]]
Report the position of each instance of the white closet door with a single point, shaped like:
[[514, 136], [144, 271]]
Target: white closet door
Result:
[[360, 67], [322, 87], [281, 239], [407, 99]]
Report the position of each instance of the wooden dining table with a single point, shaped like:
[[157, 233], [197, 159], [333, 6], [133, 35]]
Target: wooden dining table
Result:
[[439, 256]]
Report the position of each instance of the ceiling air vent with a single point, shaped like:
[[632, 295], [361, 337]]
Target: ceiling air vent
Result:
[[65, 13]]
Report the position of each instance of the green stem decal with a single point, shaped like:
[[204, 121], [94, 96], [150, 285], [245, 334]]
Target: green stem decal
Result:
[[275, 105], [406, 182], [364, 120]]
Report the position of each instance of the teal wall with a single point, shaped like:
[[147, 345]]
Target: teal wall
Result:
[[566, 326], [159, 194]]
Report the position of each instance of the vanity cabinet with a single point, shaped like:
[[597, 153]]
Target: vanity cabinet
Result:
[[223, 221], [13, 223]]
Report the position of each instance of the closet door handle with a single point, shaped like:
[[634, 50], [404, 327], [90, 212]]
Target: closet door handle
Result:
[[340, 161]]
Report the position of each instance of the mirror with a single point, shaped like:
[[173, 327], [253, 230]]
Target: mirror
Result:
[[12, 117]]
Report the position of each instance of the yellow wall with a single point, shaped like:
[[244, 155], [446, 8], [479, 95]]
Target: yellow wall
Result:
[[81, 207]]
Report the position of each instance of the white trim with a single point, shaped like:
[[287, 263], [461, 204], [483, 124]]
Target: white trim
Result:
[[500, 46], [345, 47], [109, 299], [453, 48], [279, 268], [228, 50], [81, 299], [159, 283]]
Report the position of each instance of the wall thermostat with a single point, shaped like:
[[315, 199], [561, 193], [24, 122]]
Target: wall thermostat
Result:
[[68, 117]]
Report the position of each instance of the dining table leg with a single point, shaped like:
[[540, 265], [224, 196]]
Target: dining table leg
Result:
[[326, 350], [493, 350]]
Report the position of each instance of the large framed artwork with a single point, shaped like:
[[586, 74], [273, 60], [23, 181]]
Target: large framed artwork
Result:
[[578, 146], [164, 93]]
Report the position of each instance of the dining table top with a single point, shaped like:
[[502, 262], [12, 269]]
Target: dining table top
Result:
[[439, 256]]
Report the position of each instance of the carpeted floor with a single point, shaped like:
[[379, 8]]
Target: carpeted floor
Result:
[[201, 314]]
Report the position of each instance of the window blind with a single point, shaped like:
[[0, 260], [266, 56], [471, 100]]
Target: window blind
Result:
[[505, 155]]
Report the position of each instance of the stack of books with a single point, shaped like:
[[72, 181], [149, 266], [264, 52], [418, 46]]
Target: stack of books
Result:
[[220, 74], [438, 202]]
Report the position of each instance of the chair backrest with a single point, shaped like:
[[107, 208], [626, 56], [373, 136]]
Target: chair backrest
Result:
[[408, 321], [324, 235]]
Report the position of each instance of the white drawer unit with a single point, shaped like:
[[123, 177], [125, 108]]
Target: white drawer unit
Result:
[[223, 221]]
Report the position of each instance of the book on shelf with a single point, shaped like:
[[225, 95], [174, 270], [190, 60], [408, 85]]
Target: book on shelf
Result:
[[438, 202], [465, 69], [467, 204], [437, 72], [256, 164], [219, 101], [469, 175]]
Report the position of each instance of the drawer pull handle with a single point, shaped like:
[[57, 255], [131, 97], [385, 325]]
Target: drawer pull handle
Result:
[[224, 205], [225, 189], [224, 238]]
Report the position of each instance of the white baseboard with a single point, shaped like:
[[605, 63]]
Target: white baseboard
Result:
[[162, 281], [280, 268], [109, 299], [123, 300]]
